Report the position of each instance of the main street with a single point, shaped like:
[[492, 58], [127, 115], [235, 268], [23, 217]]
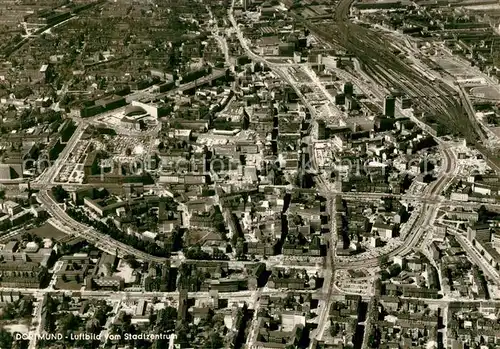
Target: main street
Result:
[[47, 177], [244, 295], [329, 281], [425, 218], [323, 187]]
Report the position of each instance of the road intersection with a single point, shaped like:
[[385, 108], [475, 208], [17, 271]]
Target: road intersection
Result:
[[430, 199]]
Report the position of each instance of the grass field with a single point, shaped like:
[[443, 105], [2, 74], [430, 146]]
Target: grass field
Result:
[[70, 285], [47, 231]]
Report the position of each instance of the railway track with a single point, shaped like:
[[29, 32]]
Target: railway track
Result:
[[378, 60]]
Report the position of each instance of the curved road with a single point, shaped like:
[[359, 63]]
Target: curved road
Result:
[[72, 227], [424, 220]]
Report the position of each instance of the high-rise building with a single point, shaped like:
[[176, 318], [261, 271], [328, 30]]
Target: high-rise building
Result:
[[350, 103], [405, 102], [321, 129], [340, 99], [389, 106], [348, 89]]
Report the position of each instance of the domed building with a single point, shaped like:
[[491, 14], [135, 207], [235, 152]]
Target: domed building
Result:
[[134, 110], [134, 117]]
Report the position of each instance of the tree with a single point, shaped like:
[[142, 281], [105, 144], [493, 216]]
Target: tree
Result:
[[240, 247], [93, 325], [214, 342], [372, 342], [196, 253], [131, 261], [482, 214], [6, 339], [59, 193], [26, 236], [38, 239], [25, 307], [175, 240], [101, 312], [69, 322], [383, 259], [335, 329], [166, 319], [181, 331], [218, 220]]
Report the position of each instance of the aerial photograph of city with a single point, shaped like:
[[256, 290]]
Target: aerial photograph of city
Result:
[[250, 174]]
